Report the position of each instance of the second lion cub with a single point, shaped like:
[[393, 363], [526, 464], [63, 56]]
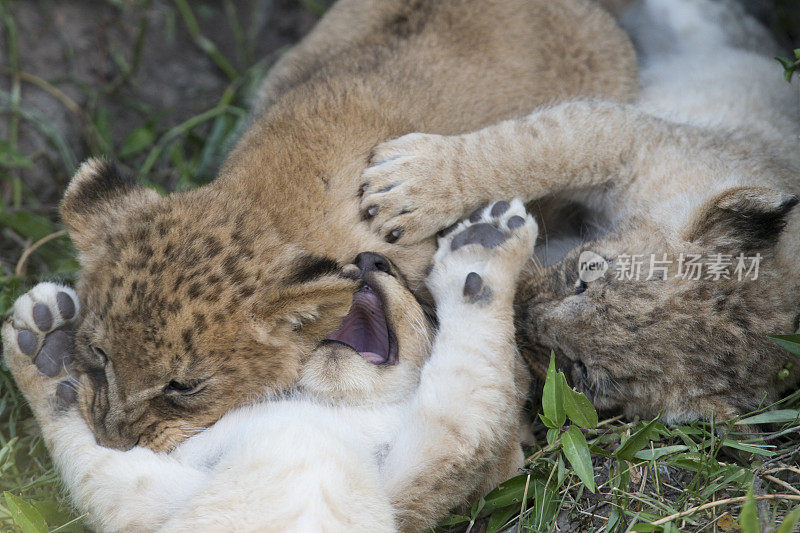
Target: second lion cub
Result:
[[683, 196]]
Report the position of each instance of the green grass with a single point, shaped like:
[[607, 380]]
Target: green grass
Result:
[[612, 475]]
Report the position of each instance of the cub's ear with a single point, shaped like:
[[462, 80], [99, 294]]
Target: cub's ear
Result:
[[95, 197], [315, 308], [742, 219]]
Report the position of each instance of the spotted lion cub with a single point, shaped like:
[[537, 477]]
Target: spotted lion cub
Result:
[[685, 200], [297, 463]]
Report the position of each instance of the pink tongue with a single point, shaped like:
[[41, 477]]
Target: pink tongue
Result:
[[364, 328]]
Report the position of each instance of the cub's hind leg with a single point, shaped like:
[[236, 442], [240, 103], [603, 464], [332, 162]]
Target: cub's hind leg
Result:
[[132, 491]]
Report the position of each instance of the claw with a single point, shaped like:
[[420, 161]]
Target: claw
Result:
[[394, 235]]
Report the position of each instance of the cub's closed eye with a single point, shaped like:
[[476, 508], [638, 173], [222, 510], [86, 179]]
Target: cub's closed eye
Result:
[[99, 353], [581, 287], [180, 388]]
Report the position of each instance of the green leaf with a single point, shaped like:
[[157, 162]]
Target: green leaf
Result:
[[509, 492], [613, 520], [779, 416], [785, 62], [652, 454], [621, 475], [790, 342], [25, 515], [751, 448], [10, 157], [136, 141], [748, 519], [577, 452], [627, 450], [27, 224], [500, 517], [789, 66], [553, 396], [578, 407], [790, 521], [552, 435], [545, 507], [453, 519], [646, 527]]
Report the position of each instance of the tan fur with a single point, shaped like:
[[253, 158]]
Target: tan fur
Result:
[[687, 348], [231, 285], [390, 454]]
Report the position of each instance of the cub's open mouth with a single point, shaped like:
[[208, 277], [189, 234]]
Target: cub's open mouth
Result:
[[365, 329]]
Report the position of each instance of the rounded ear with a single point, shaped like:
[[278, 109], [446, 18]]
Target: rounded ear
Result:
[[742, 218], [314, 307], [94, 198]]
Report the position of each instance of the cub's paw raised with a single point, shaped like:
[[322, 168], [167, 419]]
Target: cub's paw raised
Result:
[[480, 259], [38, 345], [412, 188]]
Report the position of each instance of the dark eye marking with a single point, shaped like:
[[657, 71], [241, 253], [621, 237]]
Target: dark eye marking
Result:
[[179, 387], [581, 287], [310, 267], [100, 354]]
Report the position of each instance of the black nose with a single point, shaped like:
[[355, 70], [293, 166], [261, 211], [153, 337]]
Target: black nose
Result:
[[370, 262]]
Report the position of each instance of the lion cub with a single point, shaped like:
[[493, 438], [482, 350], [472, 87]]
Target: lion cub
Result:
[[197, 301], [682, 204], [394, 456]]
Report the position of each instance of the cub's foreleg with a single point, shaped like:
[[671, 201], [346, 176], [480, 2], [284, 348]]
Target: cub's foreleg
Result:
[[466, 409], [418, 184], [135, 490]]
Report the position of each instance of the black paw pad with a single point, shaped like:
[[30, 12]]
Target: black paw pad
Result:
[[499, 208], [476, 215], [66, 393], [65, 305], [55, 354], [42, 317], [484, 234], [26, 341], [515, 222], [473, 285]]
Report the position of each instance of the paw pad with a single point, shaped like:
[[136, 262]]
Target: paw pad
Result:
[[65, 305], [515, 222], [56, 354], [38, 344], [26, 341], [42, 317], [500, 208], [484, 234], [473, 284], [504, 234]]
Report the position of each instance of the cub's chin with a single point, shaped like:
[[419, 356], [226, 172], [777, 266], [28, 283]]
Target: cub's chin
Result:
[[376, 353]]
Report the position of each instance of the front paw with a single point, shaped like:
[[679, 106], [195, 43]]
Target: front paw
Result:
[[480, 260], [413, 187], [38, 345]]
